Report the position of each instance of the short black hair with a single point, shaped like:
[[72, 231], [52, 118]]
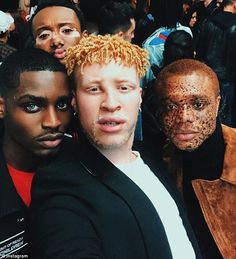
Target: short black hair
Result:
[[24, 60], [166, 13], [64, 3], [114, 17], [178, 45]]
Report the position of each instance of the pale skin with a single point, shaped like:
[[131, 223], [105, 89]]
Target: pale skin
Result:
[[107, 98], [189, 109], [129, 34]]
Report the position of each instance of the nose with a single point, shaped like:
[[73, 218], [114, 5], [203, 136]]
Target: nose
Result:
[[51, 119], [57, 40], [110, 102], [185, 114]]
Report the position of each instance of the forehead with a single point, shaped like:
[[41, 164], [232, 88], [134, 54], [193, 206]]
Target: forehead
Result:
[[43, 83], [187, 85], [54, 15], [107, 71]]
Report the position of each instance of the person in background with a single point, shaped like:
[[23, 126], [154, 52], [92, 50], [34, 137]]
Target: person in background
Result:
[[190, 18], [186, 4], [167, 16], [34, 111], [6, 22], [117, 18], [215, 46], [57, 25], [90, 10], [200, 153], [102, 198]]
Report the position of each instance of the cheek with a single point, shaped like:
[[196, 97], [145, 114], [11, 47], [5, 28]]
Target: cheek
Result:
[[44, 46], [24, 127], [207, 125], [168, 123], [88, 110], [206, 120], [70, 42], [65, 119]]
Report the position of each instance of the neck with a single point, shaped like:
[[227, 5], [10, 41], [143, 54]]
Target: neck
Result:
[[20, 159], [229, 8], [119, 155]]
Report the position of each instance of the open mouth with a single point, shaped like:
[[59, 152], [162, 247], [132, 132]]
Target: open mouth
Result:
[[111, 125]]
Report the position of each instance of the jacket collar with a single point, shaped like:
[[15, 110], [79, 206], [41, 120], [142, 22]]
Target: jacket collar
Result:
[[229, 169]]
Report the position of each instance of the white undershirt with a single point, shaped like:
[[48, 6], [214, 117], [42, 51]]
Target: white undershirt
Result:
[[164, 204]]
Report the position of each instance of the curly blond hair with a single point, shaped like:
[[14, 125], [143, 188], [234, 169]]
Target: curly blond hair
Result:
[[102, 50]]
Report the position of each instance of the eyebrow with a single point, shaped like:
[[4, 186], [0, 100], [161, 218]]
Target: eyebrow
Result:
[[195, 96], [47, 27], [41, 98]]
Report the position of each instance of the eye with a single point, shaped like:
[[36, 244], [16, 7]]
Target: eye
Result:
[[63, 106], [68, 31], [199, 105], [124, 88], [170, 107], [94, 89], [44, 35], [31, 107]]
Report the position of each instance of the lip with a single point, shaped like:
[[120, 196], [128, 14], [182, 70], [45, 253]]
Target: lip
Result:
[[59, 53], [187, 135], [50, 141], [111, 125]]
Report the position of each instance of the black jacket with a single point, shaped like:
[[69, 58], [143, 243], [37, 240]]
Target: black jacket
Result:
[[216, 44], [84, 207], [13, 216]]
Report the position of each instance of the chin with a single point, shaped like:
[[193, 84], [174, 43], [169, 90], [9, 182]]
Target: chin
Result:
[[187, 147], [47, 153]]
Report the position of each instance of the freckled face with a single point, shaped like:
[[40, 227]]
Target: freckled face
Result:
[[189, 110]]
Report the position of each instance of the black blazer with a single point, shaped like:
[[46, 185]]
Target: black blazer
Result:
[[84, 207], [13, 216]]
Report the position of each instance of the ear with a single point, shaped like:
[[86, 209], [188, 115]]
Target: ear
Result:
[[85, 34], [73, 103], [2, 108], [218, 104], [140, 100], [120, 34]]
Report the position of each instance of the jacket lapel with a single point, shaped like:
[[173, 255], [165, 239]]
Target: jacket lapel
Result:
[[150, 225], [9, 199]]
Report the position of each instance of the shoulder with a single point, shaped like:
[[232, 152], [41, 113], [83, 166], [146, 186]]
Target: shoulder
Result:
[[229, 134], [184, 28]]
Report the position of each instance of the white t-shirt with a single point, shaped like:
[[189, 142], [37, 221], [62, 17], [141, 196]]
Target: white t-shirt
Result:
[[164, 204]]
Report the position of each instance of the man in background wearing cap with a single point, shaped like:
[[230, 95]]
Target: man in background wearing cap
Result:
[[57, 25], [5, 23]]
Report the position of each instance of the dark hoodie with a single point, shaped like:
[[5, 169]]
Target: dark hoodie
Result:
[[216, 45]]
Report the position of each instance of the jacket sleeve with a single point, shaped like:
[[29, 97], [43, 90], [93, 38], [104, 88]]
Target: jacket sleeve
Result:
[[52, 234]]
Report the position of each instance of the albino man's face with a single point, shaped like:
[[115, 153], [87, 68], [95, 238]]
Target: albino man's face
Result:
[[108, 98]]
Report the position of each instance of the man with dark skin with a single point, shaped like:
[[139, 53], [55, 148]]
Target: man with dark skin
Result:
[[35, 114], [200, 152]]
